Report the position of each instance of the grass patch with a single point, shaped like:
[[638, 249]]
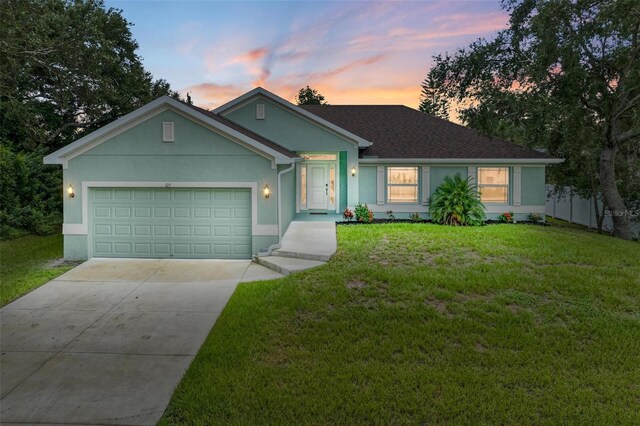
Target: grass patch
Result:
[[414, 324], [25, 264]]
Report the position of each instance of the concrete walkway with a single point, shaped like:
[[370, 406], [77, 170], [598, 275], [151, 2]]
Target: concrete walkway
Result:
[[108, 342], [304, 245]]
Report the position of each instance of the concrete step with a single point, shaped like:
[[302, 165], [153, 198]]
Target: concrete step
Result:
[[299, 255], [286, 265], [257, 272], [309, 240]]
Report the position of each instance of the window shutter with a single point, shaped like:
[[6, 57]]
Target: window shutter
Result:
[[260, 113], [167, 131]]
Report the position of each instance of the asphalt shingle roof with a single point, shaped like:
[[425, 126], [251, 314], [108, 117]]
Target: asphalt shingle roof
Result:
[[397, 131]]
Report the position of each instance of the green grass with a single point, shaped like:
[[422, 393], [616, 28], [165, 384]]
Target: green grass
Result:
[[23, 264], [415, 324]]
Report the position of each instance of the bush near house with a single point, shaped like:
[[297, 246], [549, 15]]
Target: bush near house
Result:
[[347, 214], [506, 217], [456, 202], [363, 213]]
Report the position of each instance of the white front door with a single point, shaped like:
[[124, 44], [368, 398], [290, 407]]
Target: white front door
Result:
[[318, 187]]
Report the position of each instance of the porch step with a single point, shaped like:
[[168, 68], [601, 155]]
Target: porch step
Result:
[[286, 265], [298, 255], [309, 240]]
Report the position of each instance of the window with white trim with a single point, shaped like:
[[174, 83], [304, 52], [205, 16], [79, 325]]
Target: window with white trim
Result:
[[319, 157], [402, 184], [303, 186], [493, 184]]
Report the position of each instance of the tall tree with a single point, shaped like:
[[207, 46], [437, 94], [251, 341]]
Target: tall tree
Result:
[[309, 96], [431, 101], [564, 76], [66, 68]]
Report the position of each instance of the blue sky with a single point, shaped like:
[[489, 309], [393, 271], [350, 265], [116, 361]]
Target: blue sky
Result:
[[353, 52]]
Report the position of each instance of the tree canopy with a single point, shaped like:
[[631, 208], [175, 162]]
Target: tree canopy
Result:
[[66, 68], [309, 96], [564, 77], [431, 101]]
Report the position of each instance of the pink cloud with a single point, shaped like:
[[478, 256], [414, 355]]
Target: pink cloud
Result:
[[210, 95], [373, 53], [251, 56]]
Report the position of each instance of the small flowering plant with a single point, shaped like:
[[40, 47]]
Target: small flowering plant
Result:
[[506, 217], [347, 214]]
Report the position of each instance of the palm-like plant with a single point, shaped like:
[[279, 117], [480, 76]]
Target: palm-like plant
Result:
[[457, 202]]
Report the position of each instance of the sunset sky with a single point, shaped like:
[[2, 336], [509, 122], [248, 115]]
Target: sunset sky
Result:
[[353, 52]]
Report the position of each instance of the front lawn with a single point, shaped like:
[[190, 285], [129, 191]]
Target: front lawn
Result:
[[25, 265], [421, 324]]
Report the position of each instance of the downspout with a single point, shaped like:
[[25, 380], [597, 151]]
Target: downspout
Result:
[[279, 212]]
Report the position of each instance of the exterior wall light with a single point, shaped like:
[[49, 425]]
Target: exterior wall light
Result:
[[266, 191], [70, 191], [353, 171]]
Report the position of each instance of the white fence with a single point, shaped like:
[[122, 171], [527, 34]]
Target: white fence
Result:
[[575, 209]]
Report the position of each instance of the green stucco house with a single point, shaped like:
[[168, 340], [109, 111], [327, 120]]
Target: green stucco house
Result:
[[177, 181]]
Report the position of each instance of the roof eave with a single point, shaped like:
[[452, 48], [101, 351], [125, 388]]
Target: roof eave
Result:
[[63, 155]]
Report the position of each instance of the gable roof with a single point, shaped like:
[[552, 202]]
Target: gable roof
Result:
[[245, 131], [279, 154], [359, 139], [399, 132]]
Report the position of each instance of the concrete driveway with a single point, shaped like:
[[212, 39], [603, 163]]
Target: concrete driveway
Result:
[[108, 342]]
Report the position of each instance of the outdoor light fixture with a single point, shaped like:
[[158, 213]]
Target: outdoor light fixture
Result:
[[70, 191], [353, 171], [266, 191]]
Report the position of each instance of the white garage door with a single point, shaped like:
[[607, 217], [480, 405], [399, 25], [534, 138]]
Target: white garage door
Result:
[[171, 223]]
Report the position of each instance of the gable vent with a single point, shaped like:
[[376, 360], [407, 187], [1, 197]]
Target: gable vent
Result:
[[167, 131], [260, 114]]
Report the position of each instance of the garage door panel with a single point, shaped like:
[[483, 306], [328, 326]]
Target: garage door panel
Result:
[[102, 248], [122, 212], [166, 223], [142, 230], [162, 212], [182, 230], [122, 249], [103, 230], [102, 212], [202, 195], [142, 194], [102, 193], [162, 230], [181, 249], [122, 230], [123, 194], [142, 212], [202, 213], [162, 194], [222, 195], [242, 196], [240, 213]]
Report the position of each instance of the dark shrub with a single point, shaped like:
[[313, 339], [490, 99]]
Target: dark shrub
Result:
[[456, 202]]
